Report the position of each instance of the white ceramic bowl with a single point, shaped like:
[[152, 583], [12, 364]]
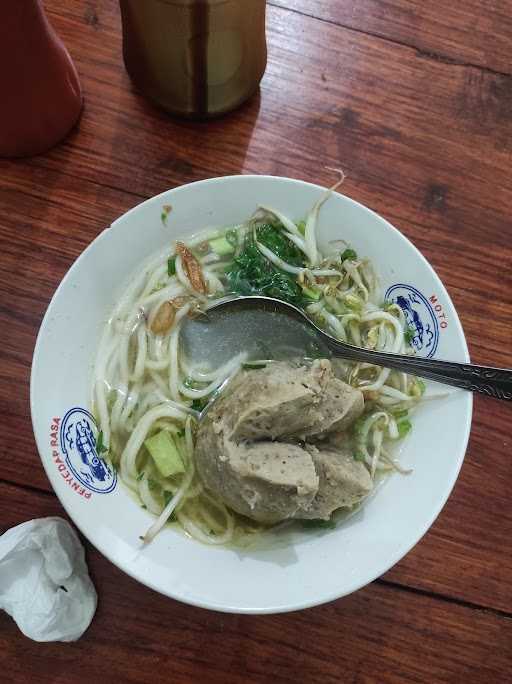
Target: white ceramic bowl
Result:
[[318, 566]]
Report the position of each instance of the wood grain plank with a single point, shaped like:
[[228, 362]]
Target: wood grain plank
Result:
[[465, 31], [379, 634], [46, 219]]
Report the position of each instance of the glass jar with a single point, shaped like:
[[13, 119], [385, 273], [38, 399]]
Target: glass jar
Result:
[[196, 58]]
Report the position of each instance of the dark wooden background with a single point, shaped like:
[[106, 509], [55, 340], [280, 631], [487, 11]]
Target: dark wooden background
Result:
[[414, 100]]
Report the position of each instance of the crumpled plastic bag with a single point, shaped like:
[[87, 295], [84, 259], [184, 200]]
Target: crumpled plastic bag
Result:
[[44, 581]]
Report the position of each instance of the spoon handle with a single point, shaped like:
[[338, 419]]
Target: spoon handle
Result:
[[493, 382]]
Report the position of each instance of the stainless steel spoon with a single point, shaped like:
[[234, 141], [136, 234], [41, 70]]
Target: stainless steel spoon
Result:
[[264, 327]]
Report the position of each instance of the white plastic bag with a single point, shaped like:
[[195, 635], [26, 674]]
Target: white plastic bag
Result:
[[44, 581]]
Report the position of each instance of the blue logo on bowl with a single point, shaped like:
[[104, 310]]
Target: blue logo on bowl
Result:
[[78, 444], [419, 316]]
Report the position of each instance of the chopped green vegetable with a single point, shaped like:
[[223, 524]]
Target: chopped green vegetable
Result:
[[312, 294], [318, 524], [153, 484], [417, 388], [171, 266], [400, 413], [100, 447], [140, 476], [143, 506], [222, 246], [232, 237], [404, 427], [199, 404], [166, 210], [348, 254], [409, 335], [165, 454], [358, 456], [301, 225], [254, 365]]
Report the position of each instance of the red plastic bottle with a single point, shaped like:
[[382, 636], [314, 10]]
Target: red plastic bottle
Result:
[[40, 94]]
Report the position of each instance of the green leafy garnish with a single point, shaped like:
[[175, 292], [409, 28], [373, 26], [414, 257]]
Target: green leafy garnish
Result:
[[140, 476], [143, 506], [317, 524], [166, 210], [348, 254], [409, 335], [252, 273], [171, 266], [274, 238], [404, 427], [152, 484], [358, 456], [199, 404], [301, 225], [100, 447]]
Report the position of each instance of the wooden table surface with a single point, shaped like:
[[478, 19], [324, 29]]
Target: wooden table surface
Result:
[[414, 100]]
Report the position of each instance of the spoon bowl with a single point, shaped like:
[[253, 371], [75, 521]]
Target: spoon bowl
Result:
[[268, 328]]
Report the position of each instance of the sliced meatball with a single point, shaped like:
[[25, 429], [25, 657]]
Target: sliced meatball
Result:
[[271, 402], [270, 481], [285, 400], [343, 482], [339, 407], [265, 481]]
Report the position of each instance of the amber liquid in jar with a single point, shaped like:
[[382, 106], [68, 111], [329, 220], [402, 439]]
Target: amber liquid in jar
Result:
[[196, 58]]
